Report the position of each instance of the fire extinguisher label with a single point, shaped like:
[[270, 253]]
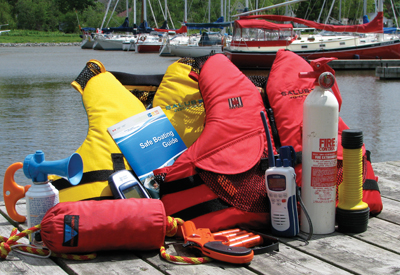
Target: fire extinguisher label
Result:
[[324, 171]]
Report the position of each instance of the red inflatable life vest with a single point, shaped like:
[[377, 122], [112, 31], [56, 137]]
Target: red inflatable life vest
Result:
[[217, 182]]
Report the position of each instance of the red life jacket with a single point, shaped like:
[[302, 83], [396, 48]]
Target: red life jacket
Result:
[[208, 182], [286, 94], [217, 182]]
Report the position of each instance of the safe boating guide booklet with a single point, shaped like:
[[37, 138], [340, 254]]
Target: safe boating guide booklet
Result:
[[148, 141]]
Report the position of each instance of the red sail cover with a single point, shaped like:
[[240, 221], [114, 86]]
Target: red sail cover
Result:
[[182, 29], [261, 24], [375, 26]]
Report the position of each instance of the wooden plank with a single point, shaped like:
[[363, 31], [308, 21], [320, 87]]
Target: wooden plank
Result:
[[109, 262], [292, 261], [388, 170], [17, 263], [175, 248], [391, 211], [286, 261], [350, 254], [381, 233]]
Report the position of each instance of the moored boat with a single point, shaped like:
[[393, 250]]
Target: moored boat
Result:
[[209, 43], [255, 41], [149, 43]]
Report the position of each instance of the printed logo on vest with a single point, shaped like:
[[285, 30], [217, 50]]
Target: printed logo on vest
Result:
[[297, 93], [71, 230], [235, 102], [181, 106]]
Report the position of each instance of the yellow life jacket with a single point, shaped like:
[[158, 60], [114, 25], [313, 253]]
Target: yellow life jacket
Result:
[[107, 102], [179, 97]]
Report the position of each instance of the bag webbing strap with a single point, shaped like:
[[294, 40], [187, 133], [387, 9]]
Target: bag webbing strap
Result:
[[93, 176], [201, 209], [370, 184]]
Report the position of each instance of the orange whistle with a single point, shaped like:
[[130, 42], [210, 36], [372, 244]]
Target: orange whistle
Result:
[[12, 192]]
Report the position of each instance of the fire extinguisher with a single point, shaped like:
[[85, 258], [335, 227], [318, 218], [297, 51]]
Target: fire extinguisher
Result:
[[319, 153]]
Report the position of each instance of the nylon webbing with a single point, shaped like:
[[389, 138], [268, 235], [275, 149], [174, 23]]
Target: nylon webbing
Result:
[[134, 79], [180, 185], [201, 209], [370, 184], [118, 162], [93, 176]]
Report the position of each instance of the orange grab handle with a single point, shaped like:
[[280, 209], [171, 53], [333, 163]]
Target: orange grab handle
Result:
[[12, 192]]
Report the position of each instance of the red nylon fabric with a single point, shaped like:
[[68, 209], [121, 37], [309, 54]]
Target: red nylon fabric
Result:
[[375, 26], [261, 24], [126, 224], [233, 139], [177, 202], [372, 197], [182, 29]]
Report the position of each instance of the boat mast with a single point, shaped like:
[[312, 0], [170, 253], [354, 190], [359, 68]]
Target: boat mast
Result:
[[109, 19], [380, 8], [266, 8], [330, 10], [394, 14], [152, 13], [105, 15], [165, 11], [144, 11], [209, 11], [322, 9], [185, 13], [365, 8], [134, 12]]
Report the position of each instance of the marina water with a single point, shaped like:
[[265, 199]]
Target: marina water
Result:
[[39, 110]]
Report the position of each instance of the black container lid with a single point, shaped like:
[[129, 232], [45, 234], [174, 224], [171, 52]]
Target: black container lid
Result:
[[352, 139]]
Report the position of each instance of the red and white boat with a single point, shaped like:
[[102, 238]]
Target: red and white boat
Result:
[[255, 41], [154, 41]]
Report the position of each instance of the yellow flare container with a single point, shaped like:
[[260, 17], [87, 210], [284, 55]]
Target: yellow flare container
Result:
[[352, 213]]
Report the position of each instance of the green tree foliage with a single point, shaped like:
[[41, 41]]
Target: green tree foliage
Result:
[[71, 5], [6, 14], [38, 15], [68, 15], [92, 16]]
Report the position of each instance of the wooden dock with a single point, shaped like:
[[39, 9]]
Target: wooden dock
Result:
[[363, 64], [388, 72], [376, 251]]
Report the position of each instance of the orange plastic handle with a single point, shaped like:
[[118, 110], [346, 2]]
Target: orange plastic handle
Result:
[[12, 192]]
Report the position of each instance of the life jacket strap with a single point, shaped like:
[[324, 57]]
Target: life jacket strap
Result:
[[94, 176], [201, 209], [180, 185]]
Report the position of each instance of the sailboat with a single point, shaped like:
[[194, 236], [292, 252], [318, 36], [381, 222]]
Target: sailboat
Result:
[[255, 40], [112, 38], [205, 44]]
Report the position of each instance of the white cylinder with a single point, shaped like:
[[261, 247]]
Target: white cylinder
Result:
[[40, 197], [319, 160]]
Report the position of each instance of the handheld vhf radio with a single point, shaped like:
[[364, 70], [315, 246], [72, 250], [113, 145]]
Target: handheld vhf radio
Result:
[[281, 188]]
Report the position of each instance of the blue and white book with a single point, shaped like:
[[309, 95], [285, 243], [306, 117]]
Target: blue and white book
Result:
[[148, 141]]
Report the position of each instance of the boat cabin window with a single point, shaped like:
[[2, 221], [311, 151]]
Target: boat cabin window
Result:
[[255, 34]]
